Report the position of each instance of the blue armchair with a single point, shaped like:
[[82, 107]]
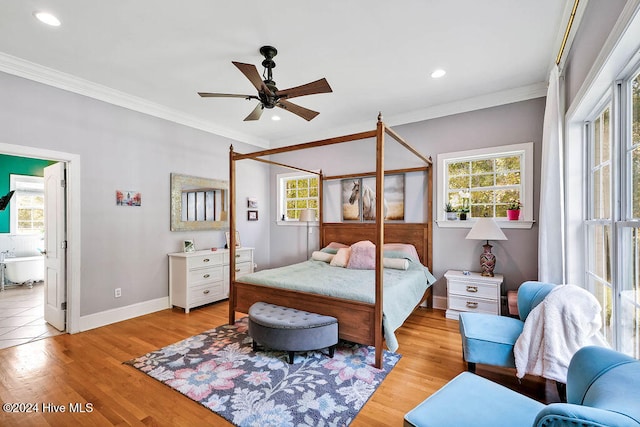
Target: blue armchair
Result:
[[489, 339], [603, 389]]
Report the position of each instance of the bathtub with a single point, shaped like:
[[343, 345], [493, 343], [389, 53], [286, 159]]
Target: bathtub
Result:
[[24, 269]]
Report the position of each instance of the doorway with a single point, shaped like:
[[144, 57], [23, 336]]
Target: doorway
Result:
[[69, 283]]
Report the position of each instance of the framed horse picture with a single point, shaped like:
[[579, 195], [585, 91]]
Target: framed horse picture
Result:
[[359, 198]]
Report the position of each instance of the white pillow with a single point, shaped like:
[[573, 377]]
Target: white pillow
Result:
[[341, 259], [396, 263], [322, 256]]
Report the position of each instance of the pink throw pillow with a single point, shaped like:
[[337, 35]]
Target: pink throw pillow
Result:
[[363, 256], [336, 245]]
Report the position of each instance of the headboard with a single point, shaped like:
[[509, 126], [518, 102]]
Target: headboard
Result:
[[416, 234]]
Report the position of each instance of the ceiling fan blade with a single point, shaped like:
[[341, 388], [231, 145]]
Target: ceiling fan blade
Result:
[[305, 113], [256, 113], [251, 72], [319, 86], [225, 95]]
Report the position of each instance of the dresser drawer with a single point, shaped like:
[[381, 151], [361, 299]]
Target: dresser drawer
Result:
[[205, 293], [203, 261], [213, 274], [461, 303], [473, 289], [243, 268], [241, 256]]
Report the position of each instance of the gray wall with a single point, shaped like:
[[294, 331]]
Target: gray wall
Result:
[[517, 258], [596, 24], [127, 247]]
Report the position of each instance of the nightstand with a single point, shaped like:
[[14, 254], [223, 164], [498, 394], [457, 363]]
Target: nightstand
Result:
[[473, 292]]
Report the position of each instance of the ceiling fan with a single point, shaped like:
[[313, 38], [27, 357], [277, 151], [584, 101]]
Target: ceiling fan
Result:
[[268, 94]]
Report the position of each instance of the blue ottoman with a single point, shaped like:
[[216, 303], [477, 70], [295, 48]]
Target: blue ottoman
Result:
[[288, 329], [470, 400]]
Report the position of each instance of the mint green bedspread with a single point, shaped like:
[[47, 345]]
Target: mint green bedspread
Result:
[[403, 289]]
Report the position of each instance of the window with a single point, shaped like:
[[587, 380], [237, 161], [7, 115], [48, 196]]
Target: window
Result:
[[27, 206], [296, 191], [612, 223], [598, 224], [486, 181]]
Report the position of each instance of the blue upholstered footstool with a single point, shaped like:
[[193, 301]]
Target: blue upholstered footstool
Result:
[[470, 400], [288, 329]]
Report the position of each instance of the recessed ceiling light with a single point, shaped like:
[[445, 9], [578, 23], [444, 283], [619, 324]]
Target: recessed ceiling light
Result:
[[275, 118], [47, 18], [438, 73]]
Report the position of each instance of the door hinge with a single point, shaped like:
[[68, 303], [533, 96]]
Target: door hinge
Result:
[[63, 244], [63, 183], [63, 306]]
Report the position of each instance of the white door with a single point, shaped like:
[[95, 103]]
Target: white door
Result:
[[55, 288]]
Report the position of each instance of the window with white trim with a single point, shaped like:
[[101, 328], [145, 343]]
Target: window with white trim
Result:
[[27, 205], [296, 191], [612, 223], [486, 182]]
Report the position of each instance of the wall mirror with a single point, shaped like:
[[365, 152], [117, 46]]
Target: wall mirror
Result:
[[198, 203]]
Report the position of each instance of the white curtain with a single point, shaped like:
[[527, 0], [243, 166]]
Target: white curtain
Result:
[[551, 218]]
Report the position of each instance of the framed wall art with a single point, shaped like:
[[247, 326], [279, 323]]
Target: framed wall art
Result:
[[359, 198]]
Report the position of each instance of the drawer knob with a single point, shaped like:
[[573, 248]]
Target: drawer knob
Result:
[[205, 260], [472, 288], [471, 304], [237, 269], [206, 276], [206, 291], [237, 255]]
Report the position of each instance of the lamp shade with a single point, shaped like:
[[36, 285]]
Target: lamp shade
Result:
[[486, 229], [307, 215]]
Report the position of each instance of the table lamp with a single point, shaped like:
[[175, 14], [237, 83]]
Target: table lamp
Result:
[[486, 229]]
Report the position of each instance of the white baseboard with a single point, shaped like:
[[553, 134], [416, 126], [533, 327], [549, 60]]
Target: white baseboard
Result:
[[107, 317], [439, 303]]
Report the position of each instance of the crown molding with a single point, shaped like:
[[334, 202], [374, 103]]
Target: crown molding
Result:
[[509, 96], [32, 71]]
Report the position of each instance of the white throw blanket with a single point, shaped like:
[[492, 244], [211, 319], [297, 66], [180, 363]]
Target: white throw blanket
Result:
[[565, 321]]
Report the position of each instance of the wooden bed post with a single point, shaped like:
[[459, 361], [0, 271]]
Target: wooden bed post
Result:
[[232, 236], [320, 208], [379, 239], [429, 237]]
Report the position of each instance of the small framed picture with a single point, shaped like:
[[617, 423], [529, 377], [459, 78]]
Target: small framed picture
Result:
[[252, 203], [252, 215], [189, 246], [228, 238]]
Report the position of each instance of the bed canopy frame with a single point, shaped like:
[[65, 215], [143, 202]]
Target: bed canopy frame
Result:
[[357, 321]]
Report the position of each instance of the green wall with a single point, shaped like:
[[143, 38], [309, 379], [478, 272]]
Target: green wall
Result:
[[19, 166]]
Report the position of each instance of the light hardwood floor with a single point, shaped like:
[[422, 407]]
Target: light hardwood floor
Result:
[[88, 368]]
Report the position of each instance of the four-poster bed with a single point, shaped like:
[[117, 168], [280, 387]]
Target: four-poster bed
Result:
[[360, 322]]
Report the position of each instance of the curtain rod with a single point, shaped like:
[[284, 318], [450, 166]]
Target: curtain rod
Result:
[[567, 31]]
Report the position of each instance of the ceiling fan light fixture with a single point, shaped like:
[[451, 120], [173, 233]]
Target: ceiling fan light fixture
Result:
[[436, 74], [275, 118], [47, 18]]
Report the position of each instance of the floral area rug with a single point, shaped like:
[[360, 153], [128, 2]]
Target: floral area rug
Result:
[[219, 370]]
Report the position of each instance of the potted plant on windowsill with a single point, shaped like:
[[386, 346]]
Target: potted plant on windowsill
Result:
[[462, 212], [452, 214], [513, 210]]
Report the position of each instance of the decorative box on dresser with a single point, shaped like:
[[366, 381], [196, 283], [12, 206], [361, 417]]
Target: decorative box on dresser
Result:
[[472, 292], [202, 277]]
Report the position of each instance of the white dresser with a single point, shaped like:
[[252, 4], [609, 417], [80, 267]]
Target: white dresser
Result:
[[472, 292], [202, 277]]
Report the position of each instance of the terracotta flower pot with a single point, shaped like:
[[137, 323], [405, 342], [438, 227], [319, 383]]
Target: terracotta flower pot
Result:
[[513, 214]]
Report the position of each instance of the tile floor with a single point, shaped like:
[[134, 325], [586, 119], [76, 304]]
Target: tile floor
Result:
[[22, 316]]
